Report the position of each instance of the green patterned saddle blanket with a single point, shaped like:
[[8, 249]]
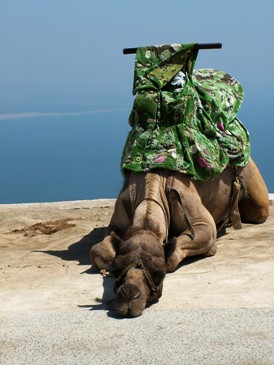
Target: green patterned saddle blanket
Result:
[[184, 119]]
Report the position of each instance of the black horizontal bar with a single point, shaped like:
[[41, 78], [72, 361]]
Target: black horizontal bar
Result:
[[200, 46]]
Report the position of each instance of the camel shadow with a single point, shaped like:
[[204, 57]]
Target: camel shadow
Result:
[[107, 302], [79, 252]]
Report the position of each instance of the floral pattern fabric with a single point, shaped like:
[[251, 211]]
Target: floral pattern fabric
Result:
[[184, 119]]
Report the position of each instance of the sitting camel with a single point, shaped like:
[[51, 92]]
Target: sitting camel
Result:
[[187, 170], [162, 217]]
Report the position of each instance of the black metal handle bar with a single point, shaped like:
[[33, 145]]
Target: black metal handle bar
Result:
[[199, 45]]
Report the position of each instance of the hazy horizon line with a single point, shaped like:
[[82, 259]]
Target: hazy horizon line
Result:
[[22, 115]]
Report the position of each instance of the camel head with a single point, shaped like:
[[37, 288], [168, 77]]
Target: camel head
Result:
[[139, 268]]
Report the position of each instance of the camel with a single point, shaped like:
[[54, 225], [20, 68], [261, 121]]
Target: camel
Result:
[[163, 216]]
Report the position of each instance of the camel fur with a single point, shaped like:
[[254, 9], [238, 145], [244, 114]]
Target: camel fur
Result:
[[161, 217]]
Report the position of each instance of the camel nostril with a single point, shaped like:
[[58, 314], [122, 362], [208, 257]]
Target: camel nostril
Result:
[[130, 291]]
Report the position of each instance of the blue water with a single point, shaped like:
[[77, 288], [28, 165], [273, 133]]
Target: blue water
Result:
[[75, 157], [61, 158]]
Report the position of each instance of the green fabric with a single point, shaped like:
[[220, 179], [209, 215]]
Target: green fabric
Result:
[[184, 119]]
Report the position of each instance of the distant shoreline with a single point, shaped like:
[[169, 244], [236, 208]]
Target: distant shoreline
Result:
[[80, 203]]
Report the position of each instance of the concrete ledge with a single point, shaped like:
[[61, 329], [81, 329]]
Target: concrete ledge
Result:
[[73, 203], [60, 204]]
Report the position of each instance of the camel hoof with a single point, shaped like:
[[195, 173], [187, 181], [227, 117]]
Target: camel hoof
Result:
[[101, 257], [101, 263], [212, 251], [172, 262]]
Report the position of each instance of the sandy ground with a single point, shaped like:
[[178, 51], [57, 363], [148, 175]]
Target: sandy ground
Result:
[[55, 307]]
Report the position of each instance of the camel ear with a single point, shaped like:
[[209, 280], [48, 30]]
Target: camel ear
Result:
[[116, 241]]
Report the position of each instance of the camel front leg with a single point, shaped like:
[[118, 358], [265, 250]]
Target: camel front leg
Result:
[[204, 243], [103, 253], [185, 212]]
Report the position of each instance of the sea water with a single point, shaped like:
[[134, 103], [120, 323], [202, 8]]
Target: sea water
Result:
[[45, 159], [74, 157]]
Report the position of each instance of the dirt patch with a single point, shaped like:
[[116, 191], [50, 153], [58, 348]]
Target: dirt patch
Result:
[[48, 227]]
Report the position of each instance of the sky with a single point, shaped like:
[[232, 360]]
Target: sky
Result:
[[65, 58], [66, 55]]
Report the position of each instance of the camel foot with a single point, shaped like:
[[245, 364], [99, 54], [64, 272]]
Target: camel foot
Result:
[[212, 251], [173, 256], [102, 256]]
